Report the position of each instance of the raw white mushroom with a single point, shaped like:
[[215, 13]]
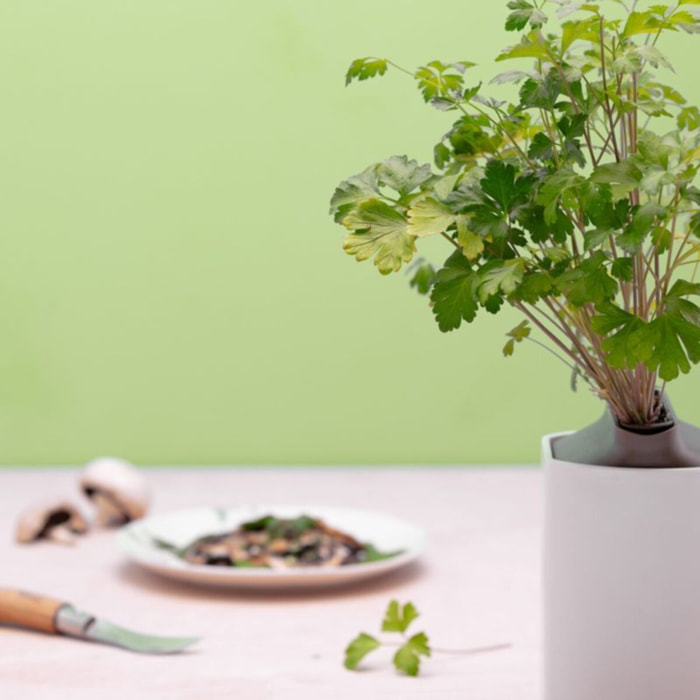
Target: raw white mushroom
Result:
[[118, 490], [58, 521]]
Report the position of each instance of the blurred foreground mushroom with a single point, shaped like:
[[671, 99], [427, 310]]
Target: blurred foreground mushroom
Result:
[[58, 521], [117, 489]]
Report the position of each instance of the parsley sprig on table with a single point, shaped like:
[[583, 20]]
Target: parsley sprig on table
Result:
[[397, 619], [407, 658]]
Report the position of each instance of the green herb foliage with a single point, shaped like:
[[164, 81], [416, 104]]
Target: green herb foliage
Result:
[[407, 657], [573, 202], [280, 528]]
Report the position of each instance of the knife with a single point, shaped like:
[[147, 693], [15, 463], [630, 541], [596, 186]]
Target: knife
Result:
[[57, 617]]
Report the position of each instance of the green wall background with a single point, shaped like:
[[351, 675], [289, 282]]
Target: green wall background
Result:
[[171, 287]]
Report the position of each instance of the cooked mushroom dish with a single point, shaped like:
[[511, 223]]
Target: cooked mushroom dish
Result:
[[276, 543]]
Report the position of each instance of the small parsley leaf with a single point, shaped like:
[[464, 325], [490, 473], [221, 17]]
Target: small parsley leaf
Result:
[[423, 278], [364, 68], [407, 658], [358, 648], [398, 618], [516, 335]]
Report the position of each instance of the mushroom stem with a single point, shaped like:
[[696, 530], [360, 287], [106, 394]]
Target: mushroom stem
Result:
[[62, 535], [108, 513], [118, 491]]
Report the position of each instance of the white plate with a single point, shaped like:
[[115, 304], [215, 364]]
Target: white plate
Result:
[[182, 527]]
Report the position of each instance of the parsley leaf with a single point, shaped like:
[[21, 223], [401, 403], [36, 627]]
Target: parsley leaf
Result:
[[402, 174], [453, 295], [589, 282], [553, 189], [529, 47], [438, 80], [364, 68], [397, 618], [523, 13], [358, 648], [675, 345], [623, 347], [503, 278], [379, 230], [642, 223], [499, 183], [429, 217], [541, 148], [423, 278], [622, 269], [407, 658], [472, 243], [541, 93], [516, 335], [622, 177], [354, 190], [534, 286]]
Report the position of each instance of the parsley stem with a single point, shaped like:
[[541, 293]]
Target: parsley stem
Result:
[[398, 67], [553, 352], [450, 239], [473, 650]]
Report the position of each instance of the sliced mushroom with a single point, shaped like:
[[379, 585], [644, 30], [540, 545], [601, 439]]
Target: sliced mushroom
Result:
[[279, 546], [337, 557], [338, 535], [117, 489], [277, 543], [58, 521]]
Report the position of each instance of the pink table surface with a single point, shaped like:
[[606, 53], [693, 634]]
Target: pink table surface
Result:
[[478, 584]]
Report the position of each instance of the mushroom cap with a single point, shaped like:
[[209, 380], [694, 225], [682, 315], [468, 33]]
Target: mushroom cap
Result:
[[39, 520], [117, 488]]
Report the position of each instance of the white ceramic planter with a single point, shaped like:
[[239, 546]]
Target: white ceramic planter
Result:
[[621, 582]]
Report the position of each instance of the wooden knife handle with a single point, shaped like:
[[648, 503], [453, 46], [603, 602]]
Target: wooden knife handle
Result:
[[29, 610]]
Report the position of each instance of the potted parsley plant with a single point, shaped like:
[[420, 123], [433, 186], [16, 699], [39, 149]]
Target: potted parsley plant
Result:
[[574, 203]]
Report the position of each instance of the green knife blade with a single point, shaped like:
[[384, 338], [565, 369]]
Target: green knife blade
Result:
[[82, 625]]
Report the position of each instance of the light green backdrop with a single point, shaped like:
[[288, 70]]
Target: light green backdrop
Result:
[[171, 287]]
